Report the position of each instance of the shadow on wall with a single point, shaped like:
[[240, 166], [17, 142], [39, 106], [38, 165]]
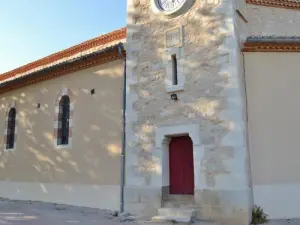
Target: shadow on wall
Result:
[[96, 143], [205, 85]]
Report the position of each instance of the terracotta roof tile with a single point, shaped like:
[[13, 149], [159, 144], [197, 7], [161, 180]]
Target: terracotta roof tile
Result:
[[94, 45], [289, 4], [272, 44], [273, 39]]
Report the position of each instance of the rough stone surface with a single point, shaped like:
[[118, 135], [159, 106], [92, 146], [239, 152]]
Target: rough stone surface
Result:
[[126, 217], [272, 21], [213, 97]]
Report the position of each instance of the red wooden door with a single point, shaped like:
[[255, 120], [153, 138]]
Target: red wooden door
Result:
[[181, 166]]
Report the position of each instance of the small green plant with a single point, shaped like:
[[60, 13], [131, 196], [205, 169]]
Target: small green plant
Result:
[[259, 216]]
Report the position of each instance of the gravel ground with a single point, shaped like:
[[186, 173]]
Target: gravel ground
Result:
[[33, 213]]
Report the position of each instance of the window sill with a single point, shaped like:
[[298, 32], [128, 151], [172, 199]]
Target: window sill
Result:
[[69, 146], [10, 150], [175, 88]]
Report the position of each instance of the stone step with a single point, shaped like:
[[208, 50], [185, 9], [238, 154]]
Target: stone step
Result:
[[184, 212], [182, 198], [176, 219], [169, 222], [178, 201], [207, 223], [155, 223], [177, 204]]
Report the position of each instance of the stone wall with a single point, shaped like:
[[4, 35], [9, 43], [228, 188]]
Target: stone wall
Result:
[[272, 21], [241, 21], [213, 99]]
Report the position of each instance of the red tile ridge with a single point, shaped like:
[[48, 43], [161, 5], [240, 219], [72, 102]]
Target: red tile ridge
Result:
[[100, 40], [289, 4]]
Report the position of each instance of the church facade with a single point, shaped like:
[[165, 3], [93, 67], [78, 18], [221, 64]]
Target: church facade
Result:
[[189, 110]]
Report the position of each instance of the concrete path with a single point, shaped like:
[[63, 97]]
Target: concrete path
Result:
[[37, 213]]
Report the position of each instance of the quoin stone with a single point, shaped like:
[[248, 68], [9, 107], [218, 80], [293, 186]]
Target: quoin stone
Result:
[[211, 115]]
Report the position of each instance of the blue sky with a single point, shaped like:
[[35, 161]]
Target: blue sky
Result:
[[32, 29]]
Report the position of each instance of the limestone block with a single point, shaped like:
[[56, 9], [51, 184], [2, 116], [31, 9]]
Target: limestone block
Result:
[[176, 219], [150, 195], [208, 67], [224, 205], [203, 212], [176, 212]]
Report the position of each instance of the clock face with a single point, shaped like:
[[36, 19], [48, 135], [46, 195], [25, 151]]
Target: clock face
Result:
[[170, 5]]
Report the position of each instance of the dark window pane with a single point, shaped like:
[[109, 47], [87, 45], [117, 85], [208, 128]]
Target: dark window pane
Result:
[[11, 125], [174, 65], [63, 117]]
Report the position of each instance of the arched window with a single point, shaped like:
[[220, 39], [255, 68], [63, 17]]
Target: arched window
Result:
[[11, 127], [63, 121]]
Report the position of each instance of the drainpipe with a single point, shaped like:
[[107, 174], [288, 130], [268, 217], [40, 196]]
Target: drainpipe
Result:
[[122, 184]]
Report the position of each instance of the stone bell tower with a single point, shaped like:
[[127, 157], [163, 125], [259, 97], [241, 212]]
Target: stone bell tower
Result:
[[185, 122]]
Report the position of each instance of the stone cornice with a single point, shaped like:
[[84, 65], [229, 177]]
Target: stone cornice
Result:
[[271, 47], [288, 4]]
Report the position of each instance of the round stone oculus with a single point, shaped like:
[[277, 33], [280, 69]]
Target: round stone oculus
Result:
[[171, 7]]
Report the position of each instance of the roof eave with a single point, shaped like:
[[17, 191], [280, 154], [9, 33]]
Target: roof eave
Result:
[[119, 47], [272, 44], [94, 59]]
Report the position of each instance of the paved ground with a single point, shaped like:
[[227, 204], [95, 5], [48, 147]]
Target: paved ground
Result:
[[285, 222], [37, 213]]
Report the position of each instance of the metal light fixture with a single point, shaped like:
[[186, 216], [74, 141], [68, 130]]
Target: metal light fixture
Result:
[[174, 97]]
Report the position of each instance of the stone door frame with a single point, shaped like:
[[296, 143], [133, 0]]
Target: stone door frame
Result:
[[162, 140]]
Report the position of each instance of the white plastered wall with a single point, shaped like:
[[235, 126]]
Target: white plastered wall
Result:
[[84, 174], [272, 81]]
